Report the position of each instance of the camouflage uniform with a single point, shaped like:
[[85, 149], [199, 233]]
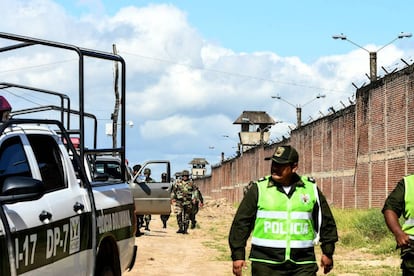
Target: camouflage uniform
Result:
[[147, 217], [164, 218], [197, 201], [140, 218], [181, 196]]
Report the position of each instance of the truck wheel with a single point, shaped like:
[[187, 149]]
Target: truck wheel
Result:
[[107, 261], [106, 271]]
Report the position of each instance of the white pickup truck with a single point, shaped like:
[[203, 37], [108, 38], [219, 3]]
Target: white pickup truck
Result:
[[51, 218], [54, 219]]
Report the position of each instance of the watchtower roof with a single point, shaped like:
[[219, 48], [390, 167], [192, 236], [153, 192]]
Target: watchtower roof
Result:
[[257, 117], [199, 161]]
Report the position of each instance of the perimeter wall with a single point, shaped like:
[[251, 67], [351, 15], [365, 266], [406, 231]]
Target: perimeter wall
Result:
[[357, 155]]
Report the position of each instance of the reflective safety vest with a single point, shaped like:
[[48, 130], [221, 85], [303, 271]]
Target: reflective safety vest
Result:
[[284, 224], [408, 226]]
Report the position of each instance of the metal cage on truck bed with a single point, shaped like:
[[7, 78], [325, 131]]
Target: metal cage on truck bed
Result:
[[15, 42]]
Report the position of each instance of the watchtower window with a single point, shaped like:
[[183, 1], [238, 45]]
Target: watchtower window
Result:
[[49, 160]]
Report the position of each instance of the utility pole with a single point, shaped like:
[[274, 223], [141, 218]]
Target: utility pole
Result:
[[114, 115]]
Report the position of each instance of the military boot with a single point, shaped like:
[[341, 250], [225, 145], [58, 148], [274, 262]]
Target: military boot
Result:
[[185, 228], [180, 229]]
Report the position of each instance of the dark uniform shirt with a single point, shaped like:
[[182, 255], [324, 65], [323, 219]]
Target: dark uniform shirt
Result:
[[245, 217], [395, 201]]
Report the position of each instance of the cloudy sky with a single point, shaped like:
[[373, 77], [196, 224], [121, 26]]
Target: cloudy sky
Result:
[[194, 66]]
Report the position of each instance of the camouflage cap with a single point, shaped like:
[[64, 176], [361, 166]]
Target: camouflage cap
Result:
[[284, 155], [136, 167], [147, 171], [185, 173]]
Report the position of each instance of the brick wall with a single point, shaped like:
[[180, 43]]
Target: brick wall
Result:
[[357, 155]]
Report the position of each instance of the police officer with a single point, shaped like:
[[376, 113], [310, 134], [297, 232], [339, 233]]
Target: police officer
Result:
[[287, 214], [181, 197], [400, 202]]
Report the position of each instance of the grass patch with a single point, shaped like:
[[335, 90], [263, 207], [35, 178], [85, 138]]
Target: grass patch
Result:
[[364, 270], [364, 229], [218, 241]]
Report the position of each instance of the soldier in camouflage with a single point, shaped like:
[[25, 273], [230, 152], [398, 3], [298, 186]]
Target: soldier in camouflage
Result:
[[148, 178], [198, 201], [140, 218], [181, 198], [164, 218]]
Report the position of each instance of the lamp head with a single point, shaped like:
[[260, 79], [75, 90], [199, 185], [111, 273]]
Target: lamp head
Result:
[[403, 34], [341, 37]]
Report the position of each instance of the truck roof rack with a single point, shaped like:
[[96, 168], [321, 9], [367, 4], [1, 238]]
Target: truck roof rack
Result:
[[16, 42]]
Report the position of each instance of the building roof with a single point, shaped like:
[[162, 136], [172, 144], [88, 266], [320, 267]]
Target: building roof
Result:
[[200, 161], [255, 117]]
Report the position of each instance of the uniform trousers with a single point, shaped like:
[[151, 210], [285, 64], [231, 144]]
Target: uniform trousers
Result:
[[286, 269], [407, 266]]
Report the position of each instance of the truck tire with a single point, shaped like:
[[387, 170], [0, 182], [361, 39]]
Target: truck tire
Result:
[[107, 261], [106, 271]]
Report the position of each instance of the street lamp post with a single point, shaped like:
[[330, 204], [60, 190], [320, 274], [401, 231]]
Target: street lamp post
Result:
[[298, 107], [372, 54]]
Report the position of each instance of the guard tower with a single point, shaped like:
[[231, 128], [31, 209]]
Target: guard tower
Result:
[[255, 127], [198, 167]]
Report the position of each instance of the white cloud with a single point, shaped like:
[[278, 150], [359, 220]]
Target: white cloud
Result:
[[183, 91]]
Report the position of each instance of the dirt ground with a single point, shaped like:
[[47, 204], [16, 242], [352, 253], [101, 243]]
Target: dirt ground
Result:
[[164, 252], [204, 251]]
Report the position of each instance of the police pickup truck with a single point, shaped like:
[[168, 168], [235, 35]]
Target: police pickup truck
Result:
[[54, 219]]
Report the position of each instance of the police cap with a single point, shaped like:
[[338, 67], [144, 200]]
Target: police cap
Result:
[[284, 155]]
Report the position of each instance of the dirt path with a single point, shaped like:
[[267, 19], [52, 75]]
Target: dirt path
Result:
[[164, 252], [204, 251]]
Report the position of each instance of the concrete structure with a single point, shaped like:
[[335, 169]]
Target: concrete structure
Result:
[[357, 154], [254, 130], [198, 167]]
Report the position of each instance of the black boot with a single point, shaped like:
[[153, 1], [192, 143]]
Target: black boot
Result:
[[185, 228], [180, 228], [193, 224]]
